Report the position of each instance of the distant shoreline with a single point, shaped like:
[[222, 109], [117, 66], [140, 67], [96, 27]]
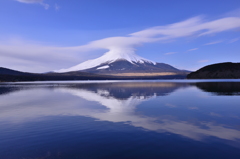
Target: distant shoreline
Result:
[[16, 78]]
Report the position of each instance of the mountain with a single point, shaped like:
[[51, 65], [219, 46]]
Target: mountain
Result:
[[226, 70], [111, 66], [108, 58], [6, 71], [124, 67], [124, 64]]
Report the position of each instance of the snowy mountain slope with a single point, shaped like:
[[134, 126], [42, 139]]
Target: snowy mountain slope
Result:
[[108, 58], [124, 66], [124, 63]]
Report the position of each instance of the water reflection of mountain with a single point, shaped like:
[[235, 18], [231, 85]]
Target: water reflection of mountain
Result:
[[121, 97], [220, 88], [125, 90], [118, 90]]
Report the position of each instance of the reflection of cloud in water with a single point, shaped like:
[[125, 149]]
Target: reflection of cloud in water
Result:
[[170, 105], [43, 102], [123, 111]]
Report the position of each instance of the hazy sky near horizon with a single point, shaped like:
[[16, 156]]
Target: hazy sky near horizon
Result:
[[46, 35]]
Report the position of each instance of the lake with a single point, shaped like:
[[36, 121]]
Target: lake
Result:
[[169, 119]]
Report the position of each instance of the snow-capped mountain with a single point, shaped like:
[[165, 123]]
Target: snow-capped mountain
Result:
[[115, 62], [108, 58]]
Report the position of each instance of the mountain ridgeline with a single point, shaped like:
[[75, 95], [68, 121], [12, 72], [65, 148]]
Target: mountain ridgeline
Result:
[[8, 75]]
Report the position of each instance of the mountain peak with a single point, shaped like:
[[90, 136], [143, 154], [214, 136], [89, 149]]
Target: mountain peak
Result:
[[110, 57]]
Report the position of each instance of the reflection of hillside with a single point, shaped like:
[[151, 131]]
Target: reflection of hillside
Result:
[[11, 88], [220, 88], [6, 90]]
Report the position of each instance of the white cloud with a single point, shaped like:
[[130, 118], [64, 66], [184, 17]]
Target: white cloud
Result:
[[45, 5], [233, 40], [170, 53], [189, 27], [192, 49], [214, 42], [34, 57], [203, 61], [57, 7], [30, 1]]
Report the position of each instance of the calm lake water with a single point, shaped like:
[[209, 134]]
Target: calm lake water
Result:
[[120, 120]]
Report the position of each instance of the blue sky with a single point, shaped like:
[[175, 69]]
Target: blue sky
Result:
[[45, 35]]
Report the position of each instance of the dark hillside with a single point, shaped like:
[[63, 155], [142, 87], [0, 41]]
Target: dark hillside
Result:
[[226, 70]]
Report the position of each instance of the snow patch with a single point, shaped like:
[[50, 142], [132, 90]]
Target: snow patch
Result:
[[103, 67]]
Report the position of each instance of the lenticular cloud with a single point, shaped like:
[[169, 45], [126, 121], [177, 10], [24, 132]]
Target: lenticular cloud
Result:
[[124, 47], [194, 26]]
